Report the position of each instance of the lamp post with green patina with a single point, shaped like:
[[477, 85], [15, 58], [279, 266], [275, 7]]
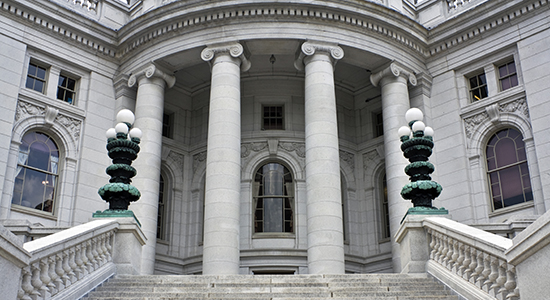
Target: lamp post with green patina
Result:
[[123, 147], [417, 144]]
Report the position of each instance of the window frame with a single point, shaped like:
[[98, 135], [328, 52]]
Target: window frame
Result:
[[508, 75], [38, 65], [76, 80], [57, 176], [498, 169], [256, 186], [478, 87], [282, 117]]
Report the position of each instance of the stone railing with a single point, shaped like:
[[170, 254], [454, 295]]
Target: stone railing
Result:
[[69, 263], [480, 262]]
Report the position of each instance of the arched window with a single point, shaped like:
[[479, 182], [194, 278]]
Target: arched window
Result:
[[507, 169], [36, 174], [273, 199], [161, 213]]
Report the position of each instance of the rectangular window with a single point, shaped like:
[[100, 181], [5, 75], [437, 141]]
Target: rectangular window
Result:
[[273, 118], [378, 124], [36, 78], [507, 76], [66, 89], [478, 87], [167, 125]]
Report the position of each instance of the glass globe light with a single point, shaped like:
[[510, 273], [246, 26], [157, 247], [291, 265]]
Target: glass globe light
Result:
[[418, 126], [125, 116], [121, 128], [111, 133], [404, 131], [428, 131], [136, 133], [414, 114]]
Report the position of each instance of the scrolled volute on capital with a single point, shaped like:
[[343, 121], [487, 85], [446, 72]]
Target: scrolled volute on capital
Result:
[[310, 48], [394, 69], [149, 72], [236, 50]]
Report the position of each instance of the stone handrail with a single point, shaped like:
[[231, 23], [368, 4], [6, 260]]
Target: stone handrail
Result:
[[475, 256], [64, 259]]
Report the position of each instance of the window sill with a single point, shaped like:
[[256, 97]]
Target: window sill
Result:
[[33, 212], [163, 242], [273, 235], [513, 208]]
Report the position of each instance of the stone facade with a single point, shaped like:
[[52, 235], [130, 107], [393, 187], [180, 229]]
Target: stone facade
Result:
[[203, 78]]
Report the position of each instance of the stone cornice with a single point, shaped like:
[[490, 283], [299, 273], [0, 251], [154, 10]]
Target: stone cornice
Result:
[[234, 49], [309, 48], [394, 69], [359, 18], [151, 71], [45, 22]]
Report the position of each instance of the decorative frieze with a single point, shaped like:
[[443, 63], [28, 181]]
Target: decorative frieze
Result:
[[348, 158], [493, 112], [298, 148], [199, 159], [246, 148], [51, 115]]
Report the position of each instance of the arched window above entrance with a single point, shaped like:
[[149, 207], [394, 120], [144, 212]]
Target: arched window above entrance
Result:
[[273, 199]]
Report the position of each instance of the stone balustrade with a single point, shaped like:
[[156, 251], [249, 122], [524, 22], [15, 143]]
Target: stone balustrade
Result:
[[475, 256], [69, 263]]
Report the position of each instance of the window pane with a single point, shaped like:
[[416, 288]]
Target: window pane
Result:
[[41, 73], [473, 82], [32, 70], [505, 151], [482, 80], [38, 86], [514, 80], [505, 83]]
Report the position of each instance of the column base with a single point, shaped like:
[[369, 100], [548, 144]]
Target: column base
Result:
[[116, 213]]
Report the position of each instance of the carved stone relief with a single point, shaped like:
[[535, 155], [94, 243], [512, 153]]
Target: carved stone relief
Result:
[[348, 158], [198, 159]]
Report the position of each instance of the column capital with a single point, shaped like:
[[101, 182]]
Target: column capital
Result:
[[394, 69], [151, 71], [309, 48], [234, 49]]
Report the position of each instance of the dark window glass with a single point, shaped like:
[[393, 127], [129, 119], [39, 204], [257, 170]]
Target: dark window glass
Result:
[[37, 172], [36, 78], [273, 118], [161, 213], [478, 87], [273, 199], [66, 89], [385, 210], [507, 169], [167, 125], [378, 125], [508, 76]]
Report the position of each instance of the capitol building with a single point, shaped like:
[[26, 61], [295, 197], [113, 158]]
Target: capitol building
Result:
[[270, 134]]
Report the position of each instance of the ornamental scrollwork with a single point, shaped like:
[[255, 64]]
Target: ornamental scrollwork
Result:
[[198, 159], [519, 106], [246, 148], [348, 158], [299, 148], [25, 109], [176, 157], [472, 122]]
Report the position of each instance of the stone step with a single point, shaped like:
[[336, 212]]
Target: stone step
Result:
[[272, 287]]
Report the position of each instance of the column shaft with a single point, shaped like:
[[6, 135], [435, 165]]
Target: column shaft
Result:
[[223, 169], [324, 203], [395, 103], [149, 111]]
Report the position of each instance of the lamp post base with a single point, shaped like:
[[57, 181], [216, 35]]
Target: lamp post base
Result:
[[115, 213], [423, 210]]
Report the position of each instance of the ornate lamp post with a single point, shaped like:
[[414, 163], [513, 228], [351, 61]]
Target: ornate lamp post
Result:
[[123, 146], [417, 144]]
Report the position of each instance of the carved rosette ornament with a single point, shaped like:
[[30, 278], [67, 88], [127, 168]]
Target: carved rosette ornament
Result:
[[396, 70], [236, 50], [309, 48], [149, 72]]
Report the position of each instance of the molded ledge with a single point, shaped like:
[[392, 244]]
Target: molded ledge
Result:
[[528, 242], [456, 283]]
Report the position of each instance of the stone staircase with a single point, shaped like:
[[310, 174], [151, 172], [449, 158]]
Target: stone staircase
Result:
[[272, 287]]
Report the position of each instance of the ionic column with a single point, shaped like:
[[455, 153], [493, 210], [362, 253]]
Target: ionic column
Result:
[[325, 236], [149, 110], [395, 103], [223, 162]]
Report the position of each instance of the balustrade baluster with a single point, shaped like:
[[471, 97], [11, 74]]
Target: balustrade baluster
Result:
[[450, 253], [38, 291], [108, 244], [483, 277], [464, 260], [445, 251], [62, 275], [89, 256], [492, 276], [472, 265], [53, 276], [80, 270], [26, 285], [432, 243], [458, 258], [94, 253], [498, 286], [510, 284]]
